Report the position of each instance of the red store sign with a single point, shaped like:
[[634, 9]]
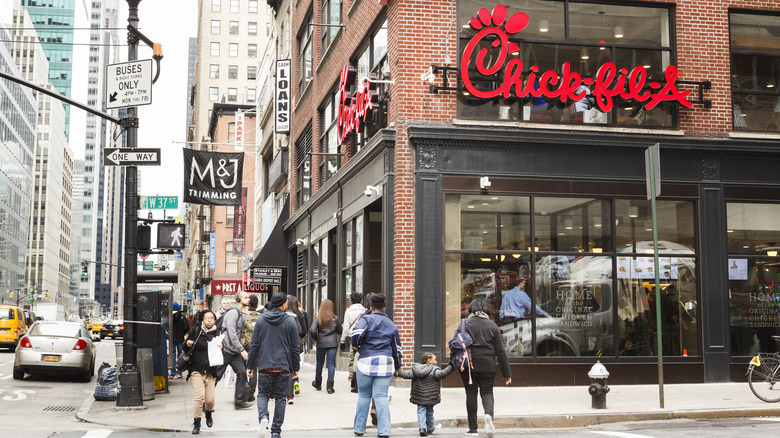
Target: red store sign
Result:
[[232, 287], [609, 82], [349, 117]]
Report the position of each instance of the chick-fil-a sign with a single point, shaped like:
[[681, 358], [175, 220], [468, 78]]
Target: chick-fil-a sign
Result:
[[349, 117], [608, 83]]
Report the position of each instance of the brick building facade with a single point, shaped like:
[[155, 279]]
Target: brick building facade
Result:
[[441, 195]]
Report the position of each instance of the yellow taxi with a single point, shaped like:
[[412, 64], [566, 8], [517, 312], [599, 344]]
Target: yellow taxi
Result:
[[12, 326], [95, 324]]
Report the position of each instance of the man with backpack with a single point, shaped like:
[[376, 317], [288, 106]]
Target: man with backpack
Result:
[[231, 324], [251, 314]]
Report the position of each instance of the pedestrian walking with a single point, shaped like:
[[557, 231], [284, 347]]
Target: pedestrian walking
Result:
[[179, 328], [200, 373], [274, 354], [234, 353], [326, 330], [487, 346], [294, 311], [224, 305], [379, 346], [251, 313], [426, 389], [351, 316]]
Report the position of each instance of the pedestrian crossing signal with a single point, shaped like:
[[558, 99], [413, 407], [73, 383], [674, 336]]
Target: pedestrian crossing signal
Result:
[[170, 236]]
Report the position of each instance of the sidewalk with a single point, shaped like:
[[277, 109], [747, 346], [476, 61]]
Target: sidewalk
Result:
[[525, 407]]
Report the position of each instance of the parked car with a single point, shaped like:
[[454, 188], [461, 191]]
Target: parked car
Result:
[[114, 328], [12, 326], [55, 347]]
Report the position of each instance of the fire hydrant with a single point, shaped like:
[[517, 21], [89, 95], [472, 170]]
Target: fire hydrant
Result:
[[598, 388]]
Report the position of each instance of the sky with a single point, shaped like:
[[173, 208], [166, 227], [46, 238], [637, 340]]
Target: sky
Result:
[[163, 123]]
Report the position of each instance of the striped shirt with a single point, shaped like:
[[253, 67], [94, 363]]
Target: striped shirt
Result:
[[380, 366]]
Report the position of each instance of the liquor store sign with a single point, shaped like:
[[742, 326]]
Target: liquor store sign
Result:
[[494, 28]]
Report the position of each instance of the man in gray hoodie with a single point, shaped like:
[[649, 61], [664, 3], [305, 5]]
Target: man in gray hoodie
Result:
[[274, 354], [234, 353]]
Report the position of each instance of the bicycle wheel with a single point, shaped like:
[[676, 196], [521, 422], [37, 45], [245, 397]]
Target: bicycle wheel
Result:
[[764, 380]]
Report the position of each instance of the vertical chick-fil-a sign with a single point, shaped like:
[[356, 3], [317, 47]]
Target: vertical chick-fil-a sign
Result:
[[608, 83], [360, 106]]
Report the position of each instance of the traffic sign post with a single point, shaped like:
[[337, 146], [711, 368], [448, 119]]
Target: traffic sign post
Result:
[[131, 157], [159, 202], [129, 84]]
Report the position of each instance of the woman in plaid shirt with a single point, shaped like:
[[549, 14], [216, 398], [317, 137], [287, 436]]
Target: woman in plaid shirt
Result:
[[376, 338]]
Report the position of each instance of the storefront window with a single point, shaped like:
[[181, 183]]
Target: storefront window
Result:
[[353, 249], [754, 277], [559, 296], [584, 35], [755, 65]]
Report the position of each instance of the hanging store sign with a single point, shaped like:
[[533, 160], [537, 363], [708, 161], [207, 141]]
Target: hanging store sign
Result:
[[212, 178], [356, 108], [239, 138], [239, 226], [212, 250], [610, 82], [282, 96]]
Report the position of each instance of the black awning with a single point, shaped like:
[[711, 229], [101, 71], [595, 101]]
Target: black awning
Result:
[[274, 252]]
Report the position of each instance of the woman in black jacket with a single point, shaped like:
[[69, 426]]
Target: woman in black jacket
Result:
[[487, 346], [326, 330], [200, 371]]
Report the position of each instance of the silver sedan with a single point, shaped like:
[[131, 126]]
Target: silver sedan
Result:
[[55, 347]]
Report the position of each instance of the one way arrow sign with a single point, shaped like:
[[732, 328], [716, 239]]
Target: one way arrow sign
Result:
[[131, 157]]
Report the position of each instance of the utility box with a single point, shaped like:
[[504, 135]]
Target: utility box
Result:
[[144, 362]]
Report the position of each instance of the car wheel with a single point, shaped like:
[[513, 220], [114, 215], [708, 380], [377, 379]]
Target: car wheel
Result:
[[85, 376], [92, 368], [18, 374], [102, 336]]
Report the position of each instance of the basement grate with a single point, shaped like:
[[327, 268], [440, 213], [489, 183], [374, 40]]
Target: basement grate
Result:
[[58, 409]]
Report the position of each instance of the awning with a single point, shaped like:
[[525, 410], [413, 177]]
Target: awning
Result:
[[274, 252]]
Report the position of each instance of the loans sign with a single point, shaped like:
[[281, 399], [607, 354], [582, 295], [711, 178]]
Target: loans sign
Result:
[[493, 28], [282, 97]]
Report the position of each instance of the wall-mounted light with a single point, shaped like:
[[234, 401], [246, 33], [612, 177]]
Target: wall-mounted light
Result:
[[633, 211], [771, 250], [568, 223], [484, 182], [597, 222], [300, 242], [618, 31], [544, 25], [584, 54], [428, 76]]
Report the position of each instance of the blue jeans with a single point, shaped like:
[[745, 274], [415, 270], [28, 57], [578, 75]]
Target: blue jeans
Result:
[[376, 387], [425, 417], [272, 385], [177, 349], [331, 353]]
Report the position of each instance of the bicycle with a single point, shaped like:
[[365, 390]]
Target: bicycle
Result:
[[763, 373]]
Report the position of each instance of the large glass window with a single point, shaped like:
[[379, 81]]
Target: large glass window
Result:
[[755, 71], [555, 272], [215, 25], [304, 54], [331, 16], [233, 49], [584, 35], [214, 71], [754, 276], [329, 147], [303, 167], [214, 49]]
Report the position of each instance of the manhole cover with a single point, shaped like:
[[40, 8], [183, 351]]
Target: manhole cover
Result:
[[58, 409]]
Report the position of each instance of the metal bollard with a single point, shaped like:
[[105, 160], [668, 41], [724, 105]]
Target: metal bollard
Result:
[[598, 388]]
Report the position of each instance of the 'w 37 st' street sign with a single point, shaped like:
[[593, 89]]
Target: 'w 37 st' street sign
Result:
[[131, 157]]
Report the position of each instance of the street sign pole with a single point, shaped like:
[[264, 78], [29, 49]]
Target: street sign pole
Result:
[[130, 374], [652, 161]]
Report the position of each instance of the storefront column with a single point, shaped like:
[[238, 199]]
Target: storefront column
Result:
[[714, 302], [428, 272]]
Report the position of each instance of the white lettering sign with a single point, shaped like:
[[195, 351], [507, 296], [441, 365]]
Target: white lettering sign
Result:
[[282, 96]]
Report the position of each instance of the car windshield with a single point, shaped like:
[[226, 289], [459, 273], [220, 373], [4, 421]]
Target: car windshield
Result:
[[7, 314], [68, 331]]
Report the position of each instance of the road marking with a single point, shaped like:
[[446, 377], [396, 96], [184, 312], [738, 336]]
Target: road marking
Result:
[[620, 434], [6, 377], [777, 419], [98, 433]]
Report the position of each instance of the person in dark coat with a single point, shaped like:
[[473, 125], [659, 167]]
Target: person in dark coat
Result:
[[426, 389], [325, 330], [179, 328], [201, 373], [486, 347]]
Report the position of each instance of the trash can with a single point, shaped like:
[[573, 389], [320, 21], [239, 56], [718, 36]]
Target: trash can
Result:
[[144, 362]]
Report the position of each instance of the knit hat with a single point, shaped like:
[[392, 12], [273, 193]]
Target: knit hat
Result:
[[176, 306], [278, 300]]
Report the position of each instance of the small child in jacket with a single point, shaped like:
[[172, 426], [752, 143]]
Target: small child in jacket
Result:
[[426, 389]]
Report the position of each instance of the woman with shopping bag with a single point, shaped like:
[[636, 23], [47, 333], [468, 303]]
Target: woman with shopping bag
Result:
[[201, 371]]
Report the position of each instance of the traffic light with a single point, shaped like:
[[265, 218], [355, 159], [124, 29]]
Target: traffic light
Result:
[[47, 295], [84, 269], [11, 294]]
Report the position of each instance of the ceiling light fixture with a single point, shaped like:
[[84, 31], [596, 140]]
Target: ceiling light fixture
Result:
[[544, 25], [618, 31]]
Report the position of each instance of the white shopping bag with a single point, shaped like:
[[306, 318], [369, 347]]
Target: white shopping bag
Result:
[[230, 378], [215, 353]]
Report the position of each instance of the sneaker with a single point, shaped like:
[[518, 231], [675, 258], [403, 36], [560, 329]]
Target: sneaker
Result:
[[297, 388], [431, 431], [289, 401], [489, 428], [263, 429], [243, 405], [275, 435], [471, 433], [423, 431]]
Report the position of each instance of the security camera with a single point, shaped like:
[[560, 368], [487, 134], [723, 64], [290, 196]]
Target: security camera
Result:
[[368, 191], [371, 189]]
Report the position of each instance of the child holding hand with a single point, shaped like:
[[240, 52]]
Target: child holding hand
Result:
[[426, 389]]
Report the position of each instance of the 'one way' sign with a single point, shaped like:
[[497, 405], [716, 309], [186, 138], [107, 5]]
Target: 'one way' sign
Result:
[[131, 157]]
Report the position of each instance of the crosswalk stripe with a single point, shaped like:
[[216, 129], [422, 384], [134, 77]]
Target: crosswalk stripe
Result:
[[777, 419], [98, 433], [6, 377], [620, 434]]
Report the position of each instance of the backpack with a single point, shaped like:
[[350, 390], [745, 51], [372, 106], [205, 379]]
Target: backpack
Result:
[[249, 326], [221, 318], [460, 346]]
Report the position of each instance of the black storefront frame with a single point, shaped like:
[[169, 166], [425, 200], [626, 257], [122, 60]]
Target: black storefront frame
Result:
[[455, 157]]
